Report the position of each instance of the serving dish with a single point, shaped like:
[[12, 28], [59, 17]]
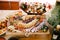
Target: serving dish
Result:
[[19, 22], [33, 8], [36, 7]]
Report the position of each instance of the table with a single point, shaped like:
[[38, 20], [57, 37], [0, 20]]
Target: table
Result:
[[30, 36]]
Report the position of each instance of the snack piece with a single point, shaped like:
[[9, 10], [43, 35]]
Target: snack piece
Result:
[[1, 31], [42, 17]]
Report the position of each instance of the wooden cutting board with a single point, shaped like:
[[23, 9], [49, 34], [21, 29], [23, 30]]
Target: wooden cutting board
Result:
[[30, 36]]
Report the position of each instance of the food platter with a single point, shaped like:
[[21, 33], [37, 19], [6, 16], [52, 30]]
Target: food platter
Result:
[[36, 7], [24, 22]]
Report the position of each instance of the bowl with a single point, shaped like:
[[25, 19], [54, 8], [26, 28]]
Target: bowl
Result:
[[37, 7]]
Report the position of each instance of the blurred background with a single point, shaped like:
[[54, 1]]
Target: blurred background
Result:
[[55, 18]]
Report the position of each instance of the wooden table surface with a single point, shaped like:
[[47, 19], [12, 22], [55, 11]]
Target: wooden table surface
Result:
[[30, 36]]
